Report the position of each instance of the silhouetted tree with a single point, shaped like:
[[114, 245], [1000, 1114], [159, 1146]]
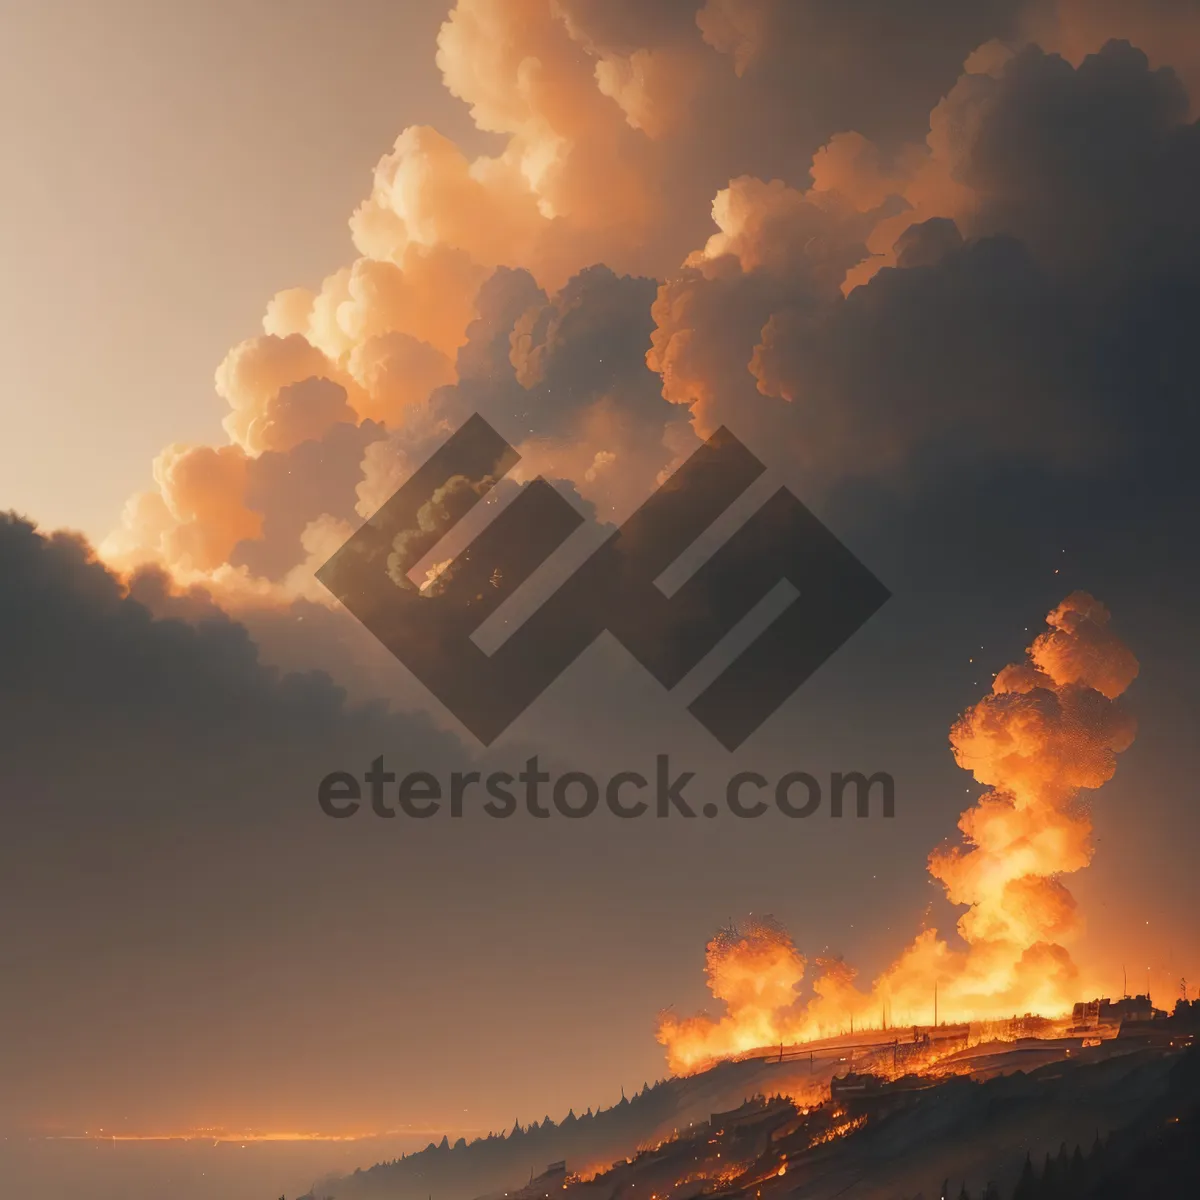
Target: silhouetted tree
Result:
[[1049, 1181], [1078, 1171], [1026, 1188], [1062, 1164]]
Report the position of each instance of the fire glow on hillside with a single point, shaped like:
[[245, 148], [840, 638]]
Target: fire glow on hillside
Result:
[[1050, 727]]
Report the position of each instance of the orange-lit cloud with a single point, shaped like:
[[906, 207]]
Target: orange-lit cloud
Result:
[[711, 147]]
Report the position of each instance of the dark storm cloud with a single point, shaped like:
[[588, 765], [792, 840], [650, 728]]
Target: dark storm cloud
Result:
[[1091, 166], [505, 295], [154, 589], [564, 378], [927, 242], [1168, 30], [82, 656], [1056, 333], [539, 361], [976, 356], [180, 916], [584, 344]]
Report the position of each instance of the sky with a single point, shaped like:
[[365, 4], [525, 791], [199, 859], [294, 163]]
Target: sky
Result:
[[938, 270], [168, 169]]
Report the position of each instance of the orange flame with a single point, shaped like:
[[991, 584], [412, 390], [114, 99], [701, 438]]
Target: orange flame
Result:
[[1049, 727]]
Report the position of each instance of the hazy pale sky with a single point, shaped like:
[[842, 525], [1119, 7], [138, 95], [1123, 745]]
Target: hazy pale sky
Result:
[[168, 168]]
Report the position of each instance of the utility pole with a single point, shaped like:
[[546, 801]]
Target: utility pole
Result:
[[935, 1004]]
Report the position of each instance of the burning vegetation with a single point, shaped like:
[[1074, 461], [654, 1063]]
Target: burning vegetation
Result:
[[1050, 728], [845, 1091], [997, 1120]]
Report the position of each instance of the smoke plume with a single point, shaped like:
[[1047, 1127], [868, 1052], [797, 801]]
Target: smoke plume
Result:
[[1049, 729]]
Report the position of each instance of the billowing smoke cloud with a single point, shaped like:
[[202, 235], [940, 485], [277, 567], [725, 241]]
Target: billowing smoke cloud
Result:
[[564, 378], [1167, 30], [984, 342], [1049, 729], [869, 242]]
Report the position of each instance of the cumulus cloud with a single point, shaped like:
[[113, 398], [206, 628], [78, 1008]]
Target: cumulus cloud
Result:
[[865, 243], [197, 515], [564, 378], [252, 378], [1039, 188], [623, 120], [1089, 165], [1167, 30], [291, 489]]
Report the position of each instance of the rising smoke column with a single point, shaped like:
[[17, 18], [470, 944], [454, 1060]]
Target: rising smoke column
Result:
[[1050, 728]]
